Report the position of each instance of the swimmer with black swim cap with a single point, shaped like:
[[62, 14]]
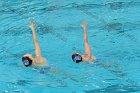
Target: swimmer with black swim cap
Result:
[[87, 57], [26, 61], [38, 60]]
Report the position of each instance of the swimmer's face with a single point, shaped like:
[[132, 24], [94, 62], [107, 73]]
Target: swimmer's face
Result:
[[76, 57]]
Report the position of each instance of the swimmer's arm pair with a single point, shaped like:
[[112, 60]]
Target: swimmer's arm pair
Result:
[[87, 46], [37, 47]]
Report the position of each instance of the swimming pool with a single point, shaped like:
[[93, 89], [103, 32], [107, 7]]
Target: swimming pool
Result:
[[113, 30]]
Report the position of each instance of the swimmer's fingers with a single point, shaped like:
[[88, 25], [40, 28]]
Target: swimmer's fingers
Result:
[[32, 24], [84, 24]]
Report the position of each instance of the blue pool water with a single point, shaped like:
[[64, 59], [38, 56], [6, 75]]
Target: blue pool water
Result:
[[113, 30]]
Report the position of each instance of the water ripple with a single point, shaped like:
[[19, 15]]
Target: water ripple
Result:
[[116, 89]]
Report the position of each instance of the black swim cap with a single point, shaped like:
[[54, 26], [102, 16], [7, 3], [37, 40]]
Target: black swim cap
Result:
[[77, 58], [26, 61]]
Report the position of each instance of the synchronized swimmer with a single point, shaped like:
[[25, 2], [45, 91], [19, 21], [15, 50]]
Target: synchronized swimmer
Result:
[[38, 60], [87, 57]]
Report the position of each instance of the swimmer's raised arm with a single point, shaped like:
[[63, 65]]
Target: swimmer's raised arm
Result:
[[87, 46], [37, 47]]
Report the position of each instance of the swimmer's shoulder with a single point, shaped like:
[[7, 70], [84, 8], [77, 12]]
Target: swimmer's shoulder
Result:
[[91, 61], [42, 62]]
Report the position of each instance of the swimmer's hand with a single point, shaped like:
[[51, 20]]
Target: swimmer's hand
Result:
[[84, 24], [32, 24]]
